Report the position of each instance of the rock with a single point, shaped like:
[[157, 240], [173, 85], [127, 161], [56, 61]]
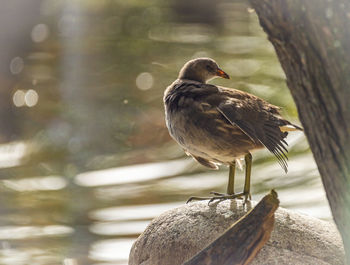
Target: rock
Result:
[[178, 234]]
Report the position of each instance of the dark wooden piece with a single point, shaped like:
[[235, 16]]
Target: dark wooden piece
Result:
[[312, 42], [243, 240]]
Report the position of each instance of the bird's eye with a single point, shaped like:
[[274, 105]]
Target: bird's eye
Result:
[[209, 68]]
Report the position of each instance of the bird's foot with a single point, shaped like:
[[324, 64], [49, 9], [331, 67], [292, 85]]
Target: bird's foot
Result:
[[247, 195], [220, 197]]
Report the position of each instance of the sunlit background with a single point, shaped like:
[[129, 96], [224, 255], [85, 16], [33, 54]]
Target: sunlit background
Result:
[[85, 159]]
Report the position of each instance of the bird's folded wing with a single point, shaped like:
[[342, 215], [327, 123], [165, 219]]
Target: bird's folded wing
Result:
[[258, 124]]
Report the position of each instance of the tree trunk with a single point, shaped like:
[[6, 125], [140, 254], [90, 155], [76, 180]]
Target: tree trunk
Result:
[[312, 41]]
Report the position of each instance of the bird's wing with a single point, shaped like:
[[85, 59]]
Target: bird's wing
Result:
[[257, 119]]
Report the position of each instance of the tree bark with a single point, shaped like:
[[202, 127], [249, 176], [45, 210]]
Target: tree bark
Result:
[[312, 41]]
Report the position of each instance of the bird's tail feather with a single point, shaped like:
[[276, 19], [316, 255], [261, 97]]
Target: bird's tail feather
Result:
[[290, 127]]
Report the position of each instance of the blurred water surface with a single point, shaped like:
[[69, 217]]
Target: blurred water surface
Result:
[[85, 159]]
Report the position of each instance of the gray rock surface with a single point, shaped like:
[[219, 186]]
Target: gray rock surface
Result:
[[178, 234]]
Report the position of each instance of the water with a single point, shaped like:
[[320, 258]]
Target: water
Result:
[[85, 159]]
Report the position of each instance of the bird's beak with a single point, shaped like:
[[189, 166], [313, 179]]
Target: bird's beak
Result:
[[222, 74]]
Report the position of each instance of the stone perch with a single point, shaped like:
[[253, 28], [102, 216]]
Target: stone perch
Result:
[[177, 235]]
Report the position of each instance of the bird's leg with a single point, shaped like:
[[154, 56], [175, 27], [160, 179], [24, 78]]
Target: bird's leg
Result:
[[230, 189], [231, 178], [248, 170], [231, 182]]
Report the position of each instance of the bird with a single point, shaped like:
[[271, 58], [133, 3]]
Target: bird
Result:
[[218, 125]]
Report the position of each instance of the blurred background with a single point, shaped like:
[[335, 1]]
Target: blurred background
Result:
[[85, 158]]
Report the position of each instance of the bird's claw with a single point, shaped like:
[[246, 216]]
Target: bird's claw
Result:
[[221, 197], [247, 197], [218, 193], [197, 199]]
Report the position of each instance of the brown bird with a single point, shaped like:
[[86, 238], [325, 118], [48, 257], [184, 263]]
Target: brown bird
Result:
[[218, 125]]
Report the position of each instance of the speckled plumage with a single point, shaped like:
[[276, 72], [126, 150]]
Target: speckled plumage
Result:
[[218, 125]]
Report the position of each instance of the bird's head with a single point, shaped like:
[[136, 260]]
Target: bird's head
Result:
[[201, 70]]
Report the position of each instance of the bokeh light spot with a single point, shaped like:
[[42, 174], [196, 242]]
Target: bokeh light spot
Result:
[[144, 81], [40, 33], [16, 65], [69, 261], [31, 98], [18, 98], [36, 183]]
